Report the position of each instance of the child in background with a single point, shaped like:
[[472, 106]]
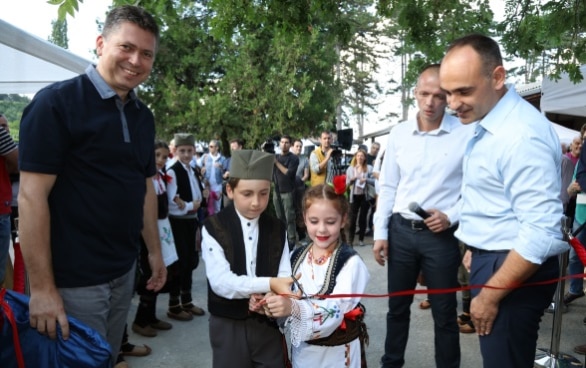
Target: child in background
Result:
[[185, 197], [246, 255], [327, 266], [145, 322]]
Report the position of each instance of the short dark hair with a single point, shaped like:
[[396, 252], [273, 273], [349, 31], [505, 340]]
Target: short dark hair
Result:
[[298, 140], [133, 14], [239, 141], [159, 143], [486, 47], [287, 137]]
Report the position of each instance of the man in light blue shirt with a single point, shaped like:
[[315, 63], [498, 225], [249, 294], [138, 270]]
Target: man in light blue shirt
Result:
[[511, 211]]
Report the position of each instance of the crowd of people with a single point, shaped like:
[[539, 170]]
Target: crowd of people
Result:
[[452, 199]]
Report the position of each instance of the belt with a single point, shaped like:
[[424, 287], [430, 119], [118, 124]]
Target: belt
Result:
[[484, 251], [416, 225]]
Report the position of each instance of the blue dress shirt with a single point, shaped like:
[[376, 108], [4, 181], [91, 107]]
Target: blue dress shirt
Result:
[[512, 181]]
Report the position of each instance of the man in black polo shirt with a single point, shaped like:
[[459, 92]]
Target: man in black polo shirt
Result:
[[286, 168], [86, 192]]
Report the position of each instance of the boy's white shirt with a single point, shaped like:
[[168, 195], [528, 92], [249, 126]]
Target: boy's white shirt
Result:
[[226, 283]]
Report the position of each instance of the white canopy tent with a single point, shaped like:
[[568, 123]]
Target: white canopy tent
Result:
[[28, 63], [563, 96]]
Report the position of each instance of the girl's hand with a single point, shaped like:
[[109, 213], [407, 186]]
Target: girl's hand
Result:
[[282, 285]]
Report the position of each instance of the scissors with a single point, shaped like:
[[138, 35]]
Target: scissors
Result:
[[298, 286]]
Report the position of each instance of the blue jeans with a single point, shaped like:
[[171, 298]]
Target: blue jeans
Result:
[[438, 258], [4, 244], [575, 266], [513, 339]]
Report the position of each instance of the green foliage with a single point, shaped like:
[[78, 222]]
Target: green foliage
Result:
[[59, 33], [65, 7], [12, 106], [549, 32]]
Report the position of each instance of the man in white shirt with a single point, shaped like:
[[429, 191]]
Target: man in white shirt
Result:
[[423, 164]]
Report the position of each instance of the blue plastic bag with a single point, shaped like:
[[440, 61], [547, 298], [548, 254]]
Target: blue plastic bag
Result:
[[84, 348]]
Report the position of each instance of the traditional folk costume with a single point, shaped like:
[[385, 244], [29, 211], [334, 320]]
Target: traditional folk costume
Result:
[[241, 256], [145, 312], [184, 224], [328, 332]]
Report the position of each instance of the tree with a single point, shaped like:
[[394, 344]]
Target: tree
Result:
[[59, 33], [412, 22], [548, 33], [360, 59], [12, 106]]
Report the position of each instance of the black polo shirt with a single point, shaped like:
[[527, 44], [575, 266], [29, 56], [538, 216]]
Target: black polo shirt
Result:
[[101, 151]]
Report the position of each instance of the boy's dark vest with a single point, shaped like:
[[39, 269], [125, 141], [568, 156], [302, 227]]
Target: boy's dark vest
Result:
[[225, 227], [183, 184]]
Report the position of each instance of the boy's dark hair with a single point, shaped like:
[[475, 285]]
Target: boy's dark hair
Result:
[[233, 182], [133, 14], [159, 143]]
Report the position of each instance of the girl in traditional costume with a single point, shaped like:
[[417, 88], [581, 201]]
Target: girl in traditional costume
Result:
[[325, 332]]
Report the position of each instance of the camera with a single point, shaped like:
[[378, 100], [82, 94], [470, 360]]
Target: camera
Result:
[[268, 146], [336, 151]]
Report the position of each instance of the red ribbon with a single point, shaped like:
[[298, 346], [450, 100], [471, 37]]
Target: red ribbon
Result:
[[351, 316], [10, 316], [19, 270]]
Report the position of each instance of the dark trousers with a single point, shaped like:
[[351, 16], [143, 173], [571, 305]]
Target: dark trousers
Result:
[[359, 211], [437, 256], [246, 343], [184, 232], [513, 339]]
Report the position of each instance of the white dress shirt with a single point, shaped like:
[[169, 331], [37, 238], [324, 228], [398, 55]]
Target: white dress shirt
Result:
[[174, 209], [226, 283], [422, 167]]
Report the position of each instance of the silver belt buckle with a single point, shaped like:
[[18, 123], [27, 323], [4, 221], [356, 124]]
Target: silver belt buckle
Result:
[[416, 226]]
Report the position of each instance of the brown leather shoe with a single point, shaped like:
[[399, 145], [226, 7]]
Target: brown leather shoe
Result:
[[425, 304], [193, 309], [467, 328], [580, 349], [161, 325], [146, 331], [463, 319], [179, 314]]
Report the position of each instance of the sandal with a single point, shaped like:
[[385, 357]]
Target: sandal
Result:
[[129, 349]]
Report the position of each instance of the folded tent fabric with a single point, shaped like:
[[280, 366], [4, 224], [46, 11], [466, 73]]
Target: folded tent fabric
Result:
[[84, 348]]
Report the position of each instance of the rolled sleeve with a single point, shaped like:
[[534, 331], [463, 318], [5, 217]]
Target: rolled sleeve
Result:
[[535, 201]]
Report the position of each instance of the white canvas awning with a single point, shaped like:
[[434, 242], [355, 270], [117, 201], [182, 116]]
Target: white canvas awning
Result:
[[563, 96], [28, 63]]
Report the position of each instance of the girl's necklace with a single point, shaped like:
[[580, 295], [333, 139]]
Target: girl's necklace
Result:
[[319, 261]]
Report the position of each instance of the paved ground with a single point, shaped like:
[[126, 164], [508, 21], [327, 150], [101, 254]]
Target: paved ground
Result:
[[187, 344]]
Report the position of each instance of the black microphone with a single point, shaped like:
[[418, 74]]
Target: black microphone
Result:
[[414, 207]]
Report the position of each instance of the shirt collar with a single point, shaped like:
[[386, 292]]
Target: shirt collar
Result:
[[492, 122], [103, 88], [244, 221], [446, 126]]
